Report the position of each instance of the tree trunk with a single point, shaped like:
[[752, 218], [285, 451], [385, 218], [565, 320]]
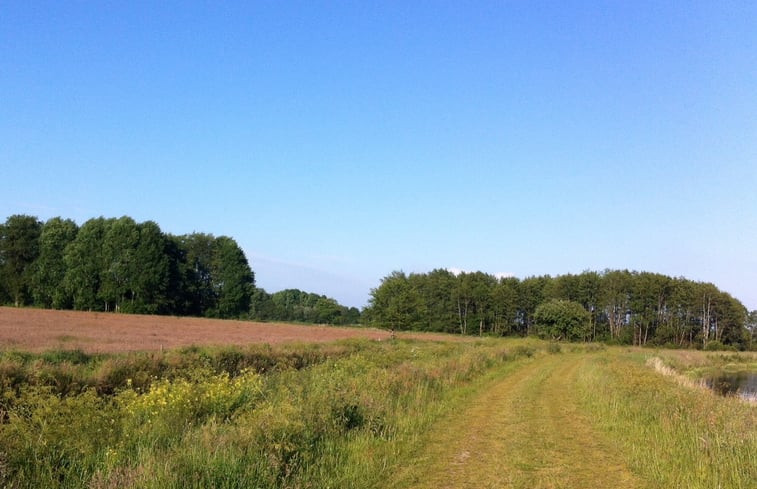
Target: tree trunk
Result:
[[706, 310]]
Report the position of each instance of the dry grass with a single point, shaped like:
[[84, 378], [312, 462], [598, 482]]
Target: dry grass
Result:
[[39, 330]]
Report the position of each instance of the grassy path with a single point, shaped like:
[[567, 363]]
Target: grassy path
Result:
[[522, 431]]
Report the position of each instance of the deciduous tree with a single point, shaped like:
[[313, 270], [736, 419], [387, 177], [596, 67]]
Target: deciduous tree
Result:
[[232, 279], [50, 267], [19, 248], [84, 264]]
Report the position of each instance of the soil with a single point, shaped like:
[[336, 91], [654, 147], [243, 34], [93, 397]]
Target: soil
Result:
[[97, 332]]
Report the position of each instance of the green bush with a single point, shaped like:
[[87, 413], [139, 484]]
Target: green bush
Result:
[[562, 320]]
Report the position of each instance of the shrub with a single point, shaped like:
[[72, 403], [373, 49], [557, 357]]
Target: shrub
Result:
[[561, 319]]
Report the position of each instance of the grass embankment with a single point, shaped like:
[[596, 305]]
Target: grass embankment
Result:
[[341, 415], [674, 435], [585, 420], [695, 365]]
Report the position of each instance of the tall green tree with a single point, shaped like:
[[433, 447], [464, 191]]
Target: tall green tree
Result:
[[679, 320], [119, 263], [232, 279], [261, 305], [648, 303], [706, 296], [19, 248], [50, 268], [729, 325], [589, 288], [178, 299], [437, 290], [751, 327], [200, 294], [395, 304], [616, 301], [531, 293], [328, 311], [504, 303], [84, 262], [475, 294], [290, 305], [152, 271]]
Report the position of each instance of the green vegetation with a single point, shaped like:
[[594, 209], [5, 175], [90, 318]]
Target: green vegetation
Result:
[[400, 414], [616, 306], [560, 319], [336, 415], [293, 305], [588, 418], [694, 365], [124, 266], [672, 434]]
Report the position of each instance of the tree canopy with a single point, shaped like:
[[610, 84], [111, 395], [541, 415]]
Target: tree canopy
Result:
[[120, 265], [620, 306]]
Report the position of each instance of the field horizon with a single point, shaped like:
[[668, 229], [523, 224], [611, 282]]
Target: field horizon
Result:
[[37, 330]]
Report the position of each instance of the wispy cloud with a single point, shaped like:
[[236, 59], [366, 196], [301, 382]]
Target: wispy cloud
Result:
[[499, 275], [456, 271]]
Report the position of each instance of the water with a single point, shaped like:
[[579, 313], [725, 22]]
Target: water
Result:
[[742, 384]]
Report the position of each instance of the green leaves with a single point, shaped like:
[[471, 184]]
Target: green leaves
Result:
[[19, 248], [231, 278], [121, 265], [562, 320], [50, 268], [620, 306]]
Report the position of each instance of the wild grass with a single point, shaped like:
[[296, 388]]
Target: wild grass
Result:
[[672, 434], [338, 415], [342, 415], [70, 372], [696, 365]]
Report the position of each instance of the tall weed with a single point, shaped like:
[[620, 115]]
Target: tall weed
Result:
[[676, 435], [338, 415]]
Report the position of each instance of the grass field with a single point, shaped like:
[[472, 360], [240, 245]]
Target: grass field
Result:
[[360, 413], [40, 329]]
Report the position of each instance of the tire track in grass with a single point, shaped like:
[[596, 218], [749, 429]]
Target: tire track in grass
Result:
[[522, 431]]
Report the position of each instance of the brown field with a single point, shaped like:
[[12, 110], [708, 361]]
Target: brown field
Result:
[[94, 332]]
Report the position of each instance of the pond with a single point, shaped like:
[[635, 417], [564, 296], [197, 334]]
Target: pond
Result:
[[742, 384]]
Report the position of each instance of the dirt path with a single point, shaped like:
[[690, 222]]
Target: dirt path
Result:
[[524, 431]]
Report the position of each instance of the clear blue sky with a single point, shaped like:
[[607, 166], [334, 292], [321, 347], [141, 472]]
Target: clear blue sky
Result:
[[339, 141]]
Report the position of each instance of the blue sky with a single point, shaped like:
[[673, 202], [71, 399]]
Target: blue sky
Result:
[[339, 141]]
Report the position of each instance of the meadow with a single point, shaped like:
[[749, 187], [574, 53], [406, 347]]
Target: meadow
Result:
[[309, 415], [362, 413]]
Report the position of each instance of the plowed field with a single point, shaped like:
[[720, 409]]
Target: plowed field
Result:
[[38, 330]]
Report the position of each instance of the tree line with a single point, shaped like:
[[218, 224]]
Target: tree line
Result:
[[294, 305], [619, 306], [119, 265]]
